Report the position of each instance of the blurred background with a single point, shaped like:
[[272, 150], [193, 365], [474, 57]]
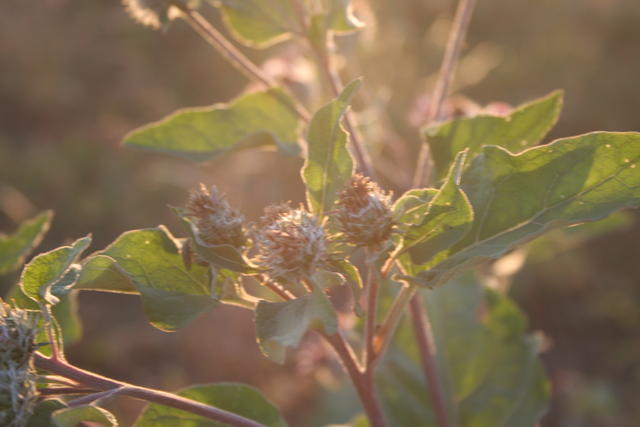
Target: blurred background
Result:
[[76, 76]]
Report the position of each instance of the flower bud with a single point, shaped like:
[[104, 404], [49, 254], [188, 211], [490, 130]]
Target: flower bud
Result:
[[216, 221], [364, 213], [291, 243], [18, 394]]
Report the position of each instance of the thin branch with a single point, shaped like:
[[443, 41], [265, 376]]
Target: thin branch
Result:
[[49, 325], [236, 58], [424, 338], [441, 89], [91, 380], [372, 285], [58, 391]]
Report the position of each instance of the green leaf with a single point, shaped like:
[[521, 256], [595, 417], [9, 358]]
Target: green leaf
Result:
[[517, 197], [50, 275], [236, 398], [523, 128], [281, 325], [230, 291], [491, 373], [412, 206], [16, 247], [329, 164], [448, 219], [352, 275], [71, 417], [150, 260], [41, 416], [200, 134]]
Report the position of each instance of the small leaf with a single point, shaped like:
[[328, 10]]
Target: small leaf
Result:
[[236, 398], [200, 134], [230, 291], [16, 247], [352, 275], [49, 273], [71, 417], [523, 128], [150, 261], [517, 197], [329, 164], [328, 279], [281, 325]]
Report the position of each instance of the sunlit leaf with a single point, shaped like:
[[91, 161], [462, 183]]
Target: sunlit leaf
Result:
[[329, 164], [200, 134], [17, 246], [523, 128], [239, 399], [71, 417], [281, 325]]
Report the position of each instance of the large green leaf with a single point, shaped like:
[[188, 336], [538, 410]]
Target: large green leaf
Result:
[[149, 260], [329, 164], [200, 134], [523, 128], [50, 275], [517, 197], [261, 23], [237, 398], [281, 325], [71, 417], [15, 248], [491, 373]]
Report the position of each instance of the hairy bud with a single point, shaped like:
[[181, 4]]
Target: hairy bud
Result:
[[18, 394], [216, 221], [364, 213], [291, 243]]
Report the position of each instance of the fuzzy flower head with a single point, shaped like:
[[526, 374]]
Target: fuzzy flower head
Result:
[[291, 243], [216, 221], [364, 213], [18, 394]]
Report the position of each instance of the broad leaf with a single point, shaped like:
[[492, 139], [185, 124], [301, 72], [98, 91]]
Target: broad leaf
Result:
[[71, 417], [329, 164], [491, 373], [16, 247], [150, 260], [523, 128], [281, 325], [239, 399], [200, 134], [50, 275], [517, 197]]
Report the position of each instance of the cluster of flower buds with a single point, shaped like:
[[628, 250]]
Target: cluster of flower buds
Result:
[[364, 213], [290, 242], [216, 221], [18, 394]]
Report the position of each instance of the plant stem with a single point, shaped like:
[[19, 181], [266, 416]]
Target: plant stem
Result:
[[370, 319], [424, 338], [236, 58], [98, 382], [441, 89]]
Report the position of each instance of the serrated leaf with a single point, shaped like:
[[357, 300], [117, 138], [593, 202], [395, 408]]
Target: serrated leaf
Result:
[[150, 259], [71, 417], [281, 325], [448, 219], [16, 247], [237, 398], [329, 164], [517, 197], [491, 373], [200, 134], [48, 275], [523, 128]]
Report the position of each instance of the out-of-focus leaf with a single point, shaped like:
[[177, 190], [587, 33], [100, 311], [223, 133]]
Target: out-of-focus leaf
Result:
[[329, 164], [150, 260], [281, 325], [50, 275], [41, 416], [71, 417], [489, 365], [16, 247], [200, 134], [237, 398], [517, 197], [523, 128], [340, 16]]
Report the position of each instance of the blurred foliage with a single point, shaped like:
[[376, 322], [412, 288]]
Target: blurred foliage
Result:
[[81, 75]]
